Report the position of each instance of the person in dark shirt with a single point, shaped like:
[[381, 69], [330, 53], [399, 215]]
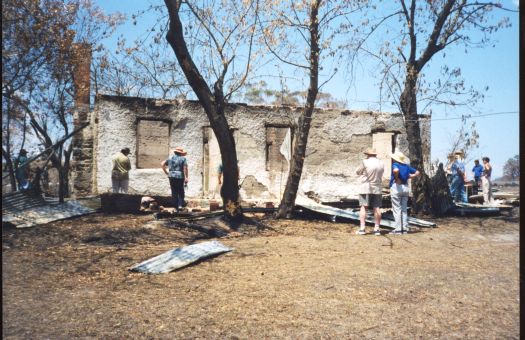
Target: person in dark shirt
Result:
[[22, 170], [177, 175]]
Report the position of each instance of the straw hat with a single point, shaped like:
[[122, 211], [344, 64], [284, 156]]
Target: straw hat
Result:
[[398, 156], [180, 150], [371, 151]]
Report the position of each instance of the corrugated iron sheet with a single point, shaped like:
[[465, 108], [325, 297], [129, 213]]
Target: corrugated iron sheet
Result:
[[180, 257], [386, 221], [24, 209]]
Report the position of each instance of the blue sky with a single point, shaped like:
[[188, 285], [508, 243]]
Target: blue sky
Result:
[[497, 120]]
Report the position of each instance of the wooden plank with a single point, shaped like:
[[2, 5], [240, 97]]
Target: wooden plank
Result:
[[180, 257]]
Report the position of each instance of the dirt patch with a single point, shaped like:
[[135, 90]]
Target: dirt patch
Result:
[[291, 279]]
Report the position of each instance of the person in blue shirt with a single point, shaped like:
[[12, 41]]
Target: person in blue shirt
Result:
[[177, 175], [399, 190], [477, 170], [459, 177]]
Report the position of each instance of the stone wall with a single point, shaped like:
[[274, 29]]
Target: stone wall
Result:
[[335, 147]]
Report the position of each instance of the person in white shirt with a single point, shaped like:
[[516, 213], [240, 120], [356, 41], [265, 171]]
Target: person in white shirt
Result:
[[371, 172]]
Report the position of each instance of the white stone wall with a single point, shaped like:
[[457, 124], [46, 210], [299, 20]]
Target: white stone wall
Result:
[[335, 148]]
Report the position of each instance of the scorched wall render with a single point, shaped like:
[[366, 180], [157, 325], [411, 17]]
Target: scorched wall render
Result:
[[336, 143]]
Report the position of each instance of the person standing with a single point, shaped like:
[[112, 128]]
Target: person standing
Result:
[[177, 175], [371, 172], [486, 182], [477, 170], [22, 170], [120, 171], [399, 191], [457, 186], [220, 176]]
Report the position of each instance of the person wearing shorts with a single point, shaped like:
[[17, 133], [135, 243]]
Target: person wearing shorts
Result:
[[371, 174]]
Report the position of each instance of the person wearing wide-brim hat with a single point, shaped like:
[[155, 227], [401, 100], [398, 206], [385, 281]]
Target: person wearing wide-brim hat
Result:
[[176, 167], [371, 174], [459, 177], [180, 151], [399, 190]]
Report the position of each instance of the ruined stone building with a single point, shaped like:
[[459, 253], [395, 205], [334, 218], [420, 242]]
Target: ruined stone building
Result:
[[152, 128]]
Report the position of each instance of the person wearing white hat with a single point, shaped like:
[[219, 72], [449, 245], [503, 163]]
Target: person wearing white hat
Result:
[[371, 171], [177, 175], [399, 190]]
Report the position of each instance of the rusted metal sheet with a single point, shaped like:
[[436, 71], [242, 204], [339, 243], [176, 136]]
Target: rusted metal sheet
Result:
[[386, 221], [25, 210], [180, 257], [323, 209]]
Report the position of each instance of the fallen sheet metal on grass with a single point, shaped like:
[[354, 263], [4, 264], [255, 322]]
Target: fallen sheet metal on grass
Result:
[[23, 210], [180, 257], [310, 204]]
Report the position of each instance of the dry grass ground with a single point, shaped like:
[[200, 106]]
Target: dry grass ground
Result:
[[296, 279]]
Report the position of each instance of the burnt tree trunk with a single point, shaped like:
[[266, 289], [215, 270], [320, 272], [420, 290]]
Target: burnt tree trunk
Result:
[[421, 185], [6, 153], [286, 206], [214, 105], [9, 166]]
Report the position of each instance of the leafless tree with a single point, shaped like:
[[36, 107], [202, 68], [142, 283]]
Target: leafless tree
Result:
[[221, 35], [415, 32]]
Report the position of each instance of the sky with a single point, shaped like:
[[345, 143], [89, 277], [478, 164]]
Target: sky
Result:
[[496, 118]]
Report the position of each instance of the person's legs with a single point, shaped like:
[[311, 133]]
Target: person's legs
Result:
[[377, 219], [124, 183], [375, 203], [404, 211], [456, 188], [487, 190], [491, 197], [173, 187], [475, 188], [396, 208], [463, 193], [179, 188], [115, 185], [363, 202]]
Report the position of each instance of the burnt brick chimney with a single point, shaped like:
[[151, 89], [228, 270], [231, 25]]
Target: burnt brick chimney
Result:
[[82, 159]]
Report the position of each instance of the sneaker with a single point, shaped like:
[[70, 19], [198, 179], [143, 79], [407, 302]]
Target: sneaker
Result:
[[377, 232], [361, 232]]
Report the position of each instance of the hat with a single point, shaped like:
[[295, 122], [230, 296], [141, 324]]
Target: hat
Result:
[[399, 157], [180, 150], [23, 151], [459, 152], [370, 151]]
